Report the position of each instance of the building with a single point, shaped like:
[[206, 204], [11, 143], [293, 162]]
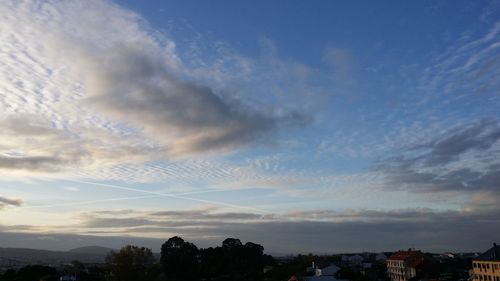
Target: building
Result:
[[329, 270], [380, 257], [486, 267], [410, 265], [352, 260], [322, 273]]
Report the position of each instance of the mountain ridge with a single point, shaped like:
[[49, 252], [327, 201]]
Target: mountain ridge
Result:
[[17, 257]]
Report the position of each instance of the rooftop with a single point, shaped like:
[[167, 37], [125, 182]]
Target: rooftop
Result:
[[403, 255], [493, 254]]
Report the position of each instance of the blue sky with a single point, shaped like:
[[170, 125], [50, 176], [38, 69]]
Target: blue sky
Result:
[[303, 126]]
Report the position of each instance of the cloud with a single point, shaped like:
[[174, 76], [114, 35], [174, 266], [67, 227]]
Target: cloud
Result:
[[72, 188], [188, 118], [30, 163], [341, 61], [205, 214], [480, 135], [4, 201], [103, 85], [32, 145], [137, 79], [463, 158], [289, 237], [172, 219], [466, 69], [312, 231]]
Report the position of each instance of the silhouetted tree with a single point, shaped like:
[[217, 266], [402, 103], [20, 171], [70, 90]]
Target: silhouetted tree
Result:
[[233, 261], [180, 260], [97, 273], [29, 273], [349, 274], [77, 269], [51, 278], [8, 275], [231, 243], [132, 263], [212, 262]]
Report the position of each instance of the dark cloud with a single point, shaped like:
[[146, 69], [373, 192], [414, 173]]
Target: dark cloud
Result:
[[430, 230], [206, 215], [131, 218], [477, 136], [35, 145], [34, 163], [30, 132], [32, 144], [462, 179], [117, 222], [465, 158], [135, 85], [4, 201]]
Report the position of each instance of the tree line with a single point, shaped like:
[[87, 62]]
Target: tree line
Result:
[[179, 261]]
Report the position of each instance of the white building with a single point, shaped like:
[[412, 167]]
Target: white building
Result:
[[330, 270], [326, 273]]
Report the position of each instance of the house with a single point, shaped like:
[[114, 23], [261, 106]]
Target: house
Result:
[[487, 265], [320, 278], [324, 273], [410, 265], [330, 270], [352, 260]]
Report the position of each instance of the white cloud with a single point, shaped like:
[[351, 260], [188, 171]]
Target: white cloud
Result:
[[90, 85], [72, 188]]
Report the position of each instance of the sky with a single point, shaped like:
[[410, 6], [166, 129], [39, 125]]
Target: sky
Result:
[[304, 126]]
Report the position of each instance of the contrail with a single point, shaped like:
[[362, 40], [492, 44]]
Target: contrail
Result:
[[177, 196], [124, 198], [86, 202]]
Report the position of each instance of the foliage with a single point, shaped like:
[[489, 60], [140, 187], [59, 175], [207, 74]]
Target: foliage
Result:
[[349, 274], [295, 266], [29, 273], [179, 260], [232, 261], [132, 263]]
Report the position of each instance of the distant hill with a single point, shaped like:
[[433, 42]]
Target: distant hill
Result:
[[97, 250], [17, 257]]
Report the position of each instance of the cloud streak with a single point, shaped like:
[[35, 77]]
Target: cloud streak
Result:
[[316, 230], [463, 158], [5, 201]]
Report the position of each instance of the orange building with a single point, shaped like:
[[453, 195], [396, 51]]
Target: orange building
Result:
[[402, 265], [486, 267]]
